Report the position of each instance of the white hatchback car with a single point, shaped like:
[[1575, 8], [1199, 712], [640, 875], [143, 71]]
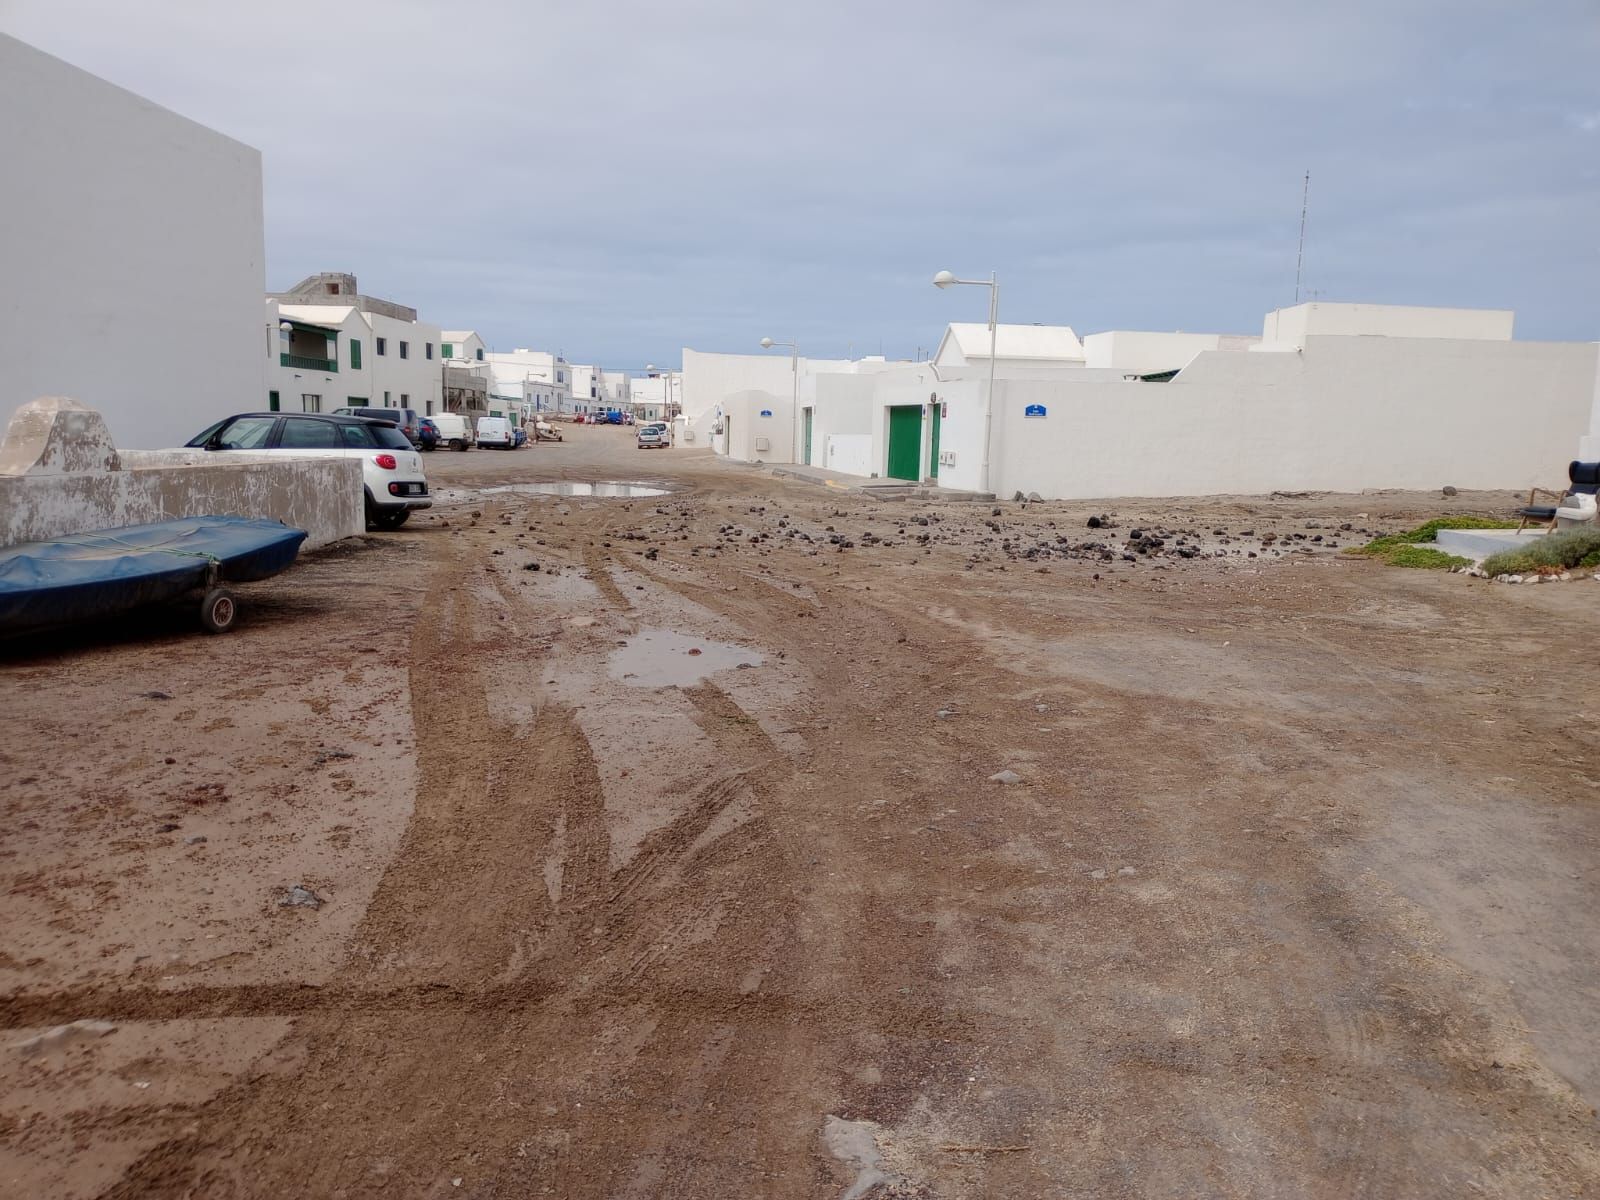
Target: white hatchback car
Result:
[[391, 468], [654, 435]]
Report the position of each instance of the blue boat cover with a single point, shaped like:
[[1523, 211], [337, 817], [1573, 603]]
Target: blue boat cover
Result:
[[91, 575]]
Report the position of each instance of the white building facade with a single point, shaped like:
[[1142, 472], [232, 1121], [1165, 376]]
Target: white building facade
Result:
[[121, 225]]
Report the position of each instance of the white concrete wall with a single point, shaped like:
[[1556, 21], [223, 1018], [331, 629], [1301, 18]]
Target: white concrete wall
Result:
[[1345, 415], [745, 426], [847, 452], [1294, 325], [841, 407], [122, 225], [1589, 443], [321, 496]]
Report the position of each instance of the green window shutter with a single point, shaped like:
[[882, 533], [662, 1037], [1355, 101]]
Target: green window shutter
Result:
[[272, 401], [447, 349], [355, 354]]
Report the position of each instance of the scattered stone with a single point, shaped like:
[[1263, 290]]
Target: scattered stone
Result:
[[1097, 873], [533, 566], [169, 761], [1035, 498], [1449, 491], [331, 756], [1126, 871], [1095, 522], [156, 695], [300, 896], [50, 1039], [1007, 777], [197, 840]]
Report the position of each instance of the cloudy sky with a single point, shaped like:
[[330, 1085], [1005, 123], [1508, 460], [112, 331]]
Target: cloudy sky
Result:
[[621, 179]]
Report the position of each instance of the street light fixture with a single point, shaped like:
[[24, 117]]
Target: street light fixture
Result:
[[945, 279], [794, 403]]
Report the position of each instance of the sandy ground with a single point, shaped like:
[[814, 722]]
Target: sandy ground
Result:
[[673, 867]]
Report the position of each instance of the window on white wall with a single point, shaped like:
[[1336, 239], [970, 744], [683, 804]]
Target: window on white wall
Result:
[[310, 403]]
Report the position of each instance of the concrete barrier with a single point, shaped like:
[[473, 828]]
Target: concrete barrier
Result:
[[60, 474]]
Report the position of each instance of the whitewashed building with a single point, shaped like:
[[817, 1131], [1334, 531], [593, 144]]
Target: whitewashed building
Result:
[[542, 378], [1330, 397], [124, 226], [394, 362]]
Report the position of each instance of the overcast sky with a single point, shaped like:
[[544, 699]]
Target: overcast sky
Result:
[[621, 179]]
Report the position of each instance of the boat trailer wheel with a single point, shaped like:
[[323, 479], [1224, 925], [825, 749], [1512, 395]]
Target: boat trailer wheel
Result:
[[218, 610]]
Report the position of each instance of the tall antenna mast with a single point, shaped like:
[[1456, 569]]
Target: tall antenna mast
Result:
[[1300, 256]]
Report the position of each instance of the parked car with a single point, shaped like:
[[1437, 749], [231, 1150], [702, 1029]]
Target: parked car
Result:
[[406, 418], [495, 432], [546, 432], [578, 418], [653, 436], [391, 469], [455, 430], [427, 434]]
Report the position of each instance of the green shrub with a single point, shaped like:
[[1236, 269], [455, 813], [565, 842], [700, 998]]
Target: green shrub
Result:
[[1425, 557], [1557, 552]]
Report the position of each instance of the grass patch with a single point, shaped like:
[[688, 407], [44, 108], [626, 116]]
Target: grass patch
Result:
[[1408, 549], [1426, 558], [1558, 552]]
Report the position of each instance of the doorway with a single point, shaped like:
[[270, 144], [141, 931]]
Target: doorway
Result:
[[905, 442], [805, 435], [933, 445]]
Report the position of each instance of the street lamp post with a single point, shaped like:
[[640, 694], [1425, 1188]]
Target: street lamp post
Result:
[[794, 370], [945, 279]]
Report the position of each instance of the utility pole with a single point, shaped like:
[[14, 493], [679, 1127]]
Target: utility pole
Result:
[[1300, 257]]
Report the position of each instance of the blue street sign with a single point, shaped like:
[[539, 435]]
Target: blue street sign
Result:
[[1034, 410]]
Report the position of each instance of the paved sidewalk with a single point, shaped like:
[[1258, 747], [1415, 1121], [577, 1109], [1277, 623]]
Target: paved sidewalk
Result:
[[871, 486]]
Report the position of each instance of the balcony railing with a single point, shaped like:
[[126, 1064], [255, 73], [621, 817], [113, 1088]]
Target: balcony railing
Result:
[[301, 362]]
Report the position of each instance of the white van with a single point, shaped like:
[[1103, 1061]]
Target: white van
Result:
[[496, 432], [454, 430]]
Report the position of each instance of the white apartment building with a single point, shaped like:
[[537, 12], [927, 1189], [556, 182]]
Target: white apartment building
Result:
[[617, 388], [391, 360], [522, 370], [462, 344], [117, 218]]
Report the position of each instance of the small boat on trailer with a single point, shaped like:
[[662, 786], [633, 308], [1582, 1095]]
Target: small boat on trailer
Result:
[[91, 576]]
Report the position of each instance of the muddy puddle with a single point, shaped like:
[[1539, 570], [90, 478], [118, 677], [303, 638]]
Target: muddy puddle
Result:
[[661, 658], [562, 487]]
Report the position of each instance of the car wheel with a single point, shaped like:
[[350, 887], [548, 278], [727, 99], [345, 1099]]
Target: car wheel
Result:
[[391, 518], [218, 610]]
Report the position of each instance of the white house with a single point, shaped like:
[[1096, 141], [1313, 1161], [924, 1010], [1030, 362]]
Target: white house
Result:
[[319, 357], [130, 255], [398, 357], [1141, 353], [462, 344], [618, 389]]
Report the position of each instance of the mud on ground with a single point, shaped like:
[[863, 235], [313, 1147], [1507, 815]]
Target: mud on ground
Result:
[[1294, 895]]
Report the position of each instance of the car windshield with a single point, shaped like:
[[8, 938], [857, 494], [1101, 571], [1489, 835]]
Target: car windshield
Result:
[[239, 433], [389, 437]]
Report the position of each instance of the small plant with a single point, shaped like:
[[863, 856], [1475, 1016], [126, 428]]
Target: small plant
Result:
[[1549, 555], [1408, 549]]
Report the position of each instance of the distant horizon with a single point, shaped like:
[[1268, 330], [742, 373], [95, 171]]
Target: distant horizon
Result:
[[620, 182]]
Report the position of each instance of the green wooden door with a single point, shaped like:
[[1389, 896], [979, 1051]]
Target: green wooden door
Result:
[[905, 441], [933, 454], [805, 443]]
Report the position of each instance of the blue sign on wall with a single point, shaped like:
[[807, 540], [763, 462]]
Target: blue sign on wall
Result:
[[766, 412], [1034, 410]]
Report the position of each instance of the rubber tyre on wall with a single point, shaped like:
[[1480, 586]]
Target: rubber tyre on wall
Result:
[[218, 610]]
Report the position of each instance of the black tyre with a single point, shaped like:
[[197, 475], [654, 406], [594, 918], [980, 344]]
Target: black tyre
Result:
[[218, 610], [391, 518]]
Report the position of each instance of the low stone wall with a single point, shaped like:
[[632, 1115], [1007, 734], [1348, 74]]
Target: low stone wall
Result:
[[68, 490]]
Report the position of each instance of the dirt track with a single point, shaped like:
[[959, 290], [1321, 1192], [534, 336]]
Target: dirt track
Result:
[[1296, 895]]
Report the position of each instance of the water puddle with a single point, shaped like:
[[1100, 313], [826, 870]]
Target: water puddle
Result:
[[562, 487], [659, 658]]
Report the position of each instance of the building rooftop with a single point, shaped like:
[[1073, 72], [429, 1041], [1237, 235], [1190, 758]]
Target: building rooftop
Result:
[[1055, 342]]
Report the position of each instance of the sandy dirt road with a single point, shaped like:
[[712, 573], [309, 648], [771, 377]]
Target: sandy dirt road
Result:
[[674, 866]]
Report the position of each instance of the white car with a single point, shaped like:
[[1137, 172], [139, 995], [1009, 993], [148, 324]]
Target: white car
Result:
[[391, 468], [654, 436], [495, 431]]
